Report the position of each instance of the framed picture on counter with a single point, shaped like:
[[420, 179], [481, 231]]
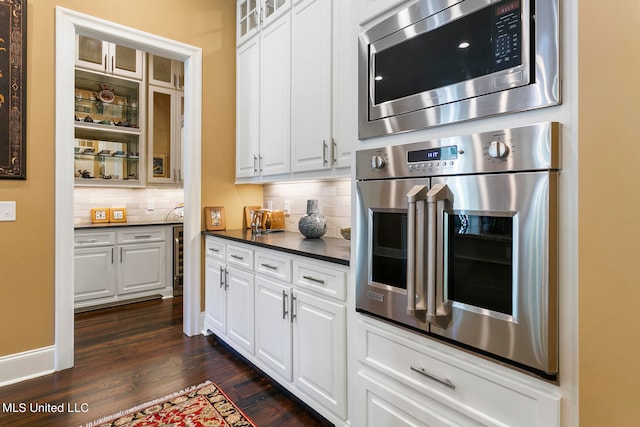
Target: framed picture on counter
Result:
[[160, 166], [215, 218]]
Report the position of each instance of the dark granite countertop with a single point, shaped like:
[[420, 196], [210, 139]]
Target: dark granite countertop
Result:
[[331, 249], [124, 224]]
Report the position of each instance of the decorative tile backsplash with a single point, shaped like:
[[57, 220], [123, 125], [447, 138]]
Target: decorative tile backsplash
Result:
[[138, 201], [334, 200]]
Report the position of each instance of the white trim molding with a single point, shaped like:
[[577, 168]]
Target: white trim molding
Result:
[[23, 366], [68, 24]]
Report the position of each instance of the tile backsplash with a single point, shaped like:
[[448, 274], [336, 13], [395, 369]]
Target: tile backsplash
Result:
[[143, 204], [334, 200]]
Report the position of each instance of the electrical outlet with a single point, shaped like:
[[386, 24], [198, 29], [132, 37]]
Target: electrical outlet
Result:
[[150, 206], [287, 207], [7, 211]]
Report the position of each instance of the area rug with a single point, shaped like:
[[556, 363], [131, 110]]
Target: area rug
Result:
[[202, 405]]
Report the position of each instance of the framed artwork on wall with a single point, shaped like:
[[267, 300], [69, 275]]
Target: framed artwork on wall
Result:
[[13, 91], [214, 218]]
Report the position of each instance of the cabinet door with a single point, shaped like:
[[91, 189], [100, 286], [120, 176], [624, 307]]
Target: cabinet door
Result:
[[141, 267], [165, 72], [311, 55], [91, 53], [273, 329], [320, 350], [240, 314], [248, 109], [108, 58], [94, 273], [275, 100], [126, 62], [215, 297], [248, 15], [166, 109], [273, 9]]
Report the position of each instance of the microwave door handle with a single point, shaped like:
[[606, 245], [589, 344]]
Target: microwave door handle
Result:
[[416, 220], [438, 309]]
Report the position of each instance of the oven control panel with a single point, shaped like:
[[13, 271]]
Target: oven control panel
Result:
[[528, 148]]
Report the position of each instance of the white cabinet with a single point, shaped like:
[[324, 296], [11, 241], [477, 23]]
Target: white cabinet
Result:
[[311, 96], [287, 63], [405, 379], [262, 100], [109, 58], [299, 318], [165, 141], [118, 264], [165, 72], [229, 290]]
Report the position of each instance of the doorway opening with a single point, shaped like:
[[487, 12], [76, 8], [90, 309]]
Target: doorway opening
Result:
[[68, 24]]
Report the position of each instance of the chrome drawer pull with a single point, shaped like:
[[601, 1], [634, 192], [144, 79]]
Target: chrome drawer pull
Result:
[[88, 241], [444, 381], [313, 279], [285, 297], [237, 257], [142, 236], [269, 266], [214, 250]]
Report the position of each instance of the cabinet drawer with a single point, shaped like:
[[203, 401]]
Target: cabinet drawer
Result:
[[321, 278], [214, 248], [240, 256], [273, 265], [141, 234], [458, 384], [83, 239]]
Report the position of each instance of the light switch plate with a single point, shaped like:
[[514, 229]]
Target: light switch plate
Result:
[[7, 211]]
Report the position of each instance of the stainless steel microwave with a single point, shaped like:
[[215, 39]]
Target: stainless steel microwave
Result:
[[446, 61]]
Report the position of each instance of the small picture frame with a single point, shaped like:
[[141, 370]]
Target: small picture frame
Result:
[[247, 214], [214, 218], [99, 215], [118, 215], [160, 166]]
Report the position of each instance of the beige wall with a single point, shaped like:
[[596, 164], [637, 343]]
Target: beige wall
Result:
[[27, 245], [609, 221]]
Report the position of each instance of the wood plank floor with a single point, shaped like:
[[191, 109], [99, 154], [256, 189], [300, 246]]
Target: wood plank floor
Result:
[[133, 354]]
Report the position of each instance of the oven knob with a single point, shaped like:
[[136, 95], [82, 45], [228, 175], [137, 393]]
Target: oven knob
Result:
[[498, 149], [377, 162]]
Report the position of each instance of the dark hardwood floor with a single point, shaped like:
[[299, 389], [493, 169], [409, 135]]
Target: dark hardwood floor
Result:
[[129, 355]]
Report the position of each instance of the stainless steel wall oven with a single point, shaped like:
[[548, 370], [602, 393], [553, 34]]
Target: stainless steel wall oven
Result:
[[444, 61], [457, 238]]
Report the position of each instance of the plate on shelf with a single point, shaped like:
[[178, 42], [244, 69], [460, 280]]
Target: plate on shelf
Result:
[[106, 96]]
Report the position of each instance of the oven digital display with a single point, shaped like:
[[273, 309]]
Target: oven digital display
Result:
[[442, 153]]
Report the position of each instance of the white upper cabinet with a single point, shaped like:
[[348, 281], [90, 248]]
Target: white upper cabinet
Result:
[[165, 72], [263, 105], [311, 97], [109, 58]]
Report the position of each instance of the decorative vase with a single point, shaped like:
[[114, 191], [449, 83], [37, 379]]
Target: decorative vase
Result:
[[312, 225]]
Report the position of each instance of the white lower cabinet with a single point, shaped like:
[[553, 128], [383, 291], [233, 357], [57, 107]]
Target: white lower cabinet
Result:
[[407, 380], [299, 325], [120, 264]]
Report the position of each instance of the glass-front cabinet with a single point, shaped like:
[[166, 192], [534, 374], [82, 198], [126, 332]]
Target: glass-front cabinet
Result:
[[109, 58], [254, 14], [108, 130], [165, 135], [166, 72]]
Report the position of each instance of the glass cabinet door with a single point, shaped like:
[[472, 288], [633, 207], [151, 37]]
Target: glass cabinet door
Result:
[[166, 110], [106, 158], [165, 72], [248, 19], [110, 58]]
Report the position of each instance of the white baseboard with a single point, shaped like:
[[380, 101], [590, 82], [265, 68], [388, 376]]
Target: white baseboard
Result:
[[19, 367]]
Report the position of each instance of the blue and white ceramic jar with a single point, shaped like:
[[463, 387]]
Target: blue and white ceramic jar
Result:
[[312, 225]]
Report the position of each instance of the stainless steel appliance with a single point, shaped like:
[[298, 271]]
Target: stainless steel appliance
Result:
[[457, 238], [178, 259], [444, 61]]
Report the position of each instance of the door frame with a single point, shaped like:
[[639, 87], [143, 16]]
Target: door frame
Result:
[[68, 23]]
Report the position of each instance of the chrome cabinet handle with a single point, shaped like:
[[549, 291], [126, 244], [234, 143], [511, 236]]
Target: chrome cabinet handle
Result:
[[313, 279], [237, 257], [221, 276], [120, 254], [106, 63], [416, 307], [335, 151], [226, 278], [285, 297], [88, 241], [111, 256], [269, 266], [293, 306], [255, 164], [429, 375], [214, 250], [142, 236], [438, 309], [325, 148], [260, 158]]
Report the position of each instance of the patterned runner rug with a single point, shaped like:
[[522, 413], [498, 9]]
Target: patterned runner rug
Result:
[[201, 405]]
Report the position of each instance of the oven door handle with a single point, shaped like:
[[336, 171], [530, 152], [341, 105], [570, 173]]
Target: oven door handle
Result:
[[438, 308], [416, 220]]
